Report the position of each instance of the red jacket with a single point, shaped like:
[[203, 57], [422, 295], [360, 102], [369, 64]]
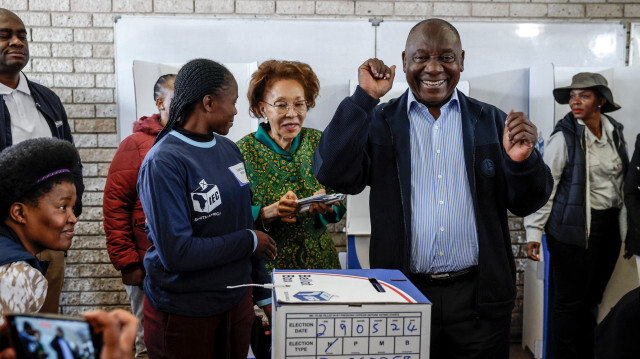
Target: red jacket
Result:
[[123, 217]]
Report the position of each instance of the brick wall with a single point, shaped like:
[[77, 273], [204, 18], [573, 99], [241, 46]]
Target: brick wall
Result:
[[72, 52]]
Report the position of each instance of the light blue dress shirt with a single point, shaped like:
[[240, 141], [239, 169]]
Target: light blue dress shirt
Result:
[[443, 222]]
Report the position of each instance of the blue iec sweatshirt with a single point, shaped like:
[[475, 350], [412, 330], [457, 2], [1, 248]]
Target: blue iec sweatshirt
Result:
[[197, 203]]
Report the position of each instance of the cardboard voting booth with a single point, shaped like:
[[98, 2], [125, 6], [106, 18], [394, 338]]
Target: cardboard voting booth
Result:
[[341, 314]]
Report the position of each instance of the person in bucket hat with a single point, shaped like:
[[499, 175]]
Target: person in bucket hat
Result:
[[588, 160]]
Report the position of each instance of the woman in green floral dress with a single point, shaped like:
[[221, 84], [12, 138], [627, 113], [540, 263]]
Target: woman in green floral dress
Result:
[[278, 161]]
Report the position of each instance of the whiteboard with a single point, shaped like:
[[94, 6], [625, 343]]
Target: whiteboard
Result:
[[334, 49], [634, 45], [498, 55]]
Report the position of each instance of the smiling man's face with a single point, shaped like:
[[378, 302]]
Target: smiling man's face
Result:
[[433, 60]]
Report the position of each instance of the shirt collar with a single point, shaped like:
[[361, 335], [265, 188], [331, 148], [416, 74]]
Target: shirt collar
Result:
[[23, 86], [453, 101], [263, 137], [607, 130]]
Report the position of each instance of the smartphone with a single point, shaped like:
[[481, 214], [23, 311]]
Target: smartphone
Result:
[[37, 336]]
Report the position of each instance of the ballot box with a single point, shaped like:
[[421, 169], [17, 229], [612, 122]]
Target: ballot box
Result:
[[348, 314]]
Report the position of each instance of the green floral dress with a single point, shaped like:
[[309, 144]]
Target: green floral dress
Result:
[[305, 244]]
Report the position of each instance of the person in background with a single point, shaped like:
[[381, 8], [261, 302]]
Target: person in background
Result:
[[443, 170], [632, 202], [37, 194], [278, 160], [197, 202], [588, 160], [30, 110], [123, 216], [62, 347]]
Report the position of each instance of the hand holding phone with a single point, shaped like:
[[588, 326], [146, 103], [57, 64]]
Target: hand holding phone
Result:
[[48, 336]]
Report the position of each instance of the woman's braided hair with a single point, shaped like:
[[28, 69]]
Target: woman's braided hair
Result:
[[196, 79]]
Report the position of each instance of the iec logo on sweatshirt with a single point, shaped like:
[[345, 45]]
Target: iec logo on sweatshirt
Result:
[[206, 197]]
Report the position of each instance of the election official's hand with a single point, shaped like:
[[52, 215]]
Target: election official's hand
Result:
[[375, 77], [266, 246], [520, 136]]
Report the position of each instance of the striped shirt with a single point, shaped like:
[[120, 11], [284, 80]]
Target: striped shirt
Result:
[[443, 221]]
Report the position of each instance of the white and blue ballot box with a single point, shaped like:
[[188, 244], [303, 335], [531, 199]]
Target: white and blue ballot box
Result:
[[343, 314]]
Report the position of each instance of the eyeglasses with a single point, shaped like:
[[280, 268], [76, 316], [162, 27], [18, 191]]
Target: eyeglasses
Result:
[[283, 107]]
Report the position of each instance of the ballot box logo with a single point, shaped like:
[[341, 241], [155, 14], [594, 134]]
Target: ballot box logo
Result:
[[206, 197], [313, 296]]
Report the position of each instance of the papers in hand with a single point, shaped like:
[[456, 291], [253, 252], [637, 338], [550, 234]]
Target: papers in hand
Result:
[[305, 203]]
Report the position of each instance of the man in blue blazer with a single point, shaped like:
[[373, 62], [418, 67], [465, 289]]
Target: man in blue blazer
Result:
[[443, 170]]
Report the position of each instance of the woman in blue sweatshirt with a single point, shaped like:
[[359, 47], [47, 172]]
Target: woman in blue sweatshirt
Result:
[[196, 198]]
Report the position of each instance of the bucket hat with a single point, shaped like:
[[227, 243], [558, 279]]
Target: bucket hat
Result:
[[587, 80]]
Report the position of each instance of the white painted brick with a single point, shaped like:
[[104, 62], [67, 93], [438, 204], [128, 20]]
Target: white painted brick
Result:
[[528, 10], [70, 20], [88, 169], [97, 155], [74, 80], [93, 35], [92, 199], [80, 111], [39, 50], [215, 6], [105, 111], [335, 7], [295, 7], [52, 65], [554, 1], [106, 125], [92, 184], [93, 65], [515, 1], [32, 18], [93, 96], [65, 95], [590, 1], [451, 9], [106, 80], [132, 6], [489, 9], [103, 20], [254, 7], [14, 5], [627, 1], [631, 10], [414, 8], [86, 140], [374, 8], [71, 50], [566, 10], [91, 5], [49, 5], [103, 169], [42, 79], [110, 140], [173, 6], [49, 34], [604, 10], [103, 50]]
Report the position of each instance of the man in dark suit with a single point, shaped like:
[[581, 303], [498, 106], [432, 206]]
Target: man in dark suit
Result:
[[443, 170]]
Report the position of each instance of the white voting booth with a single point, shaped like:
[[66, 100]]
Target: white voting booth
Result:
[[545, 112]]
